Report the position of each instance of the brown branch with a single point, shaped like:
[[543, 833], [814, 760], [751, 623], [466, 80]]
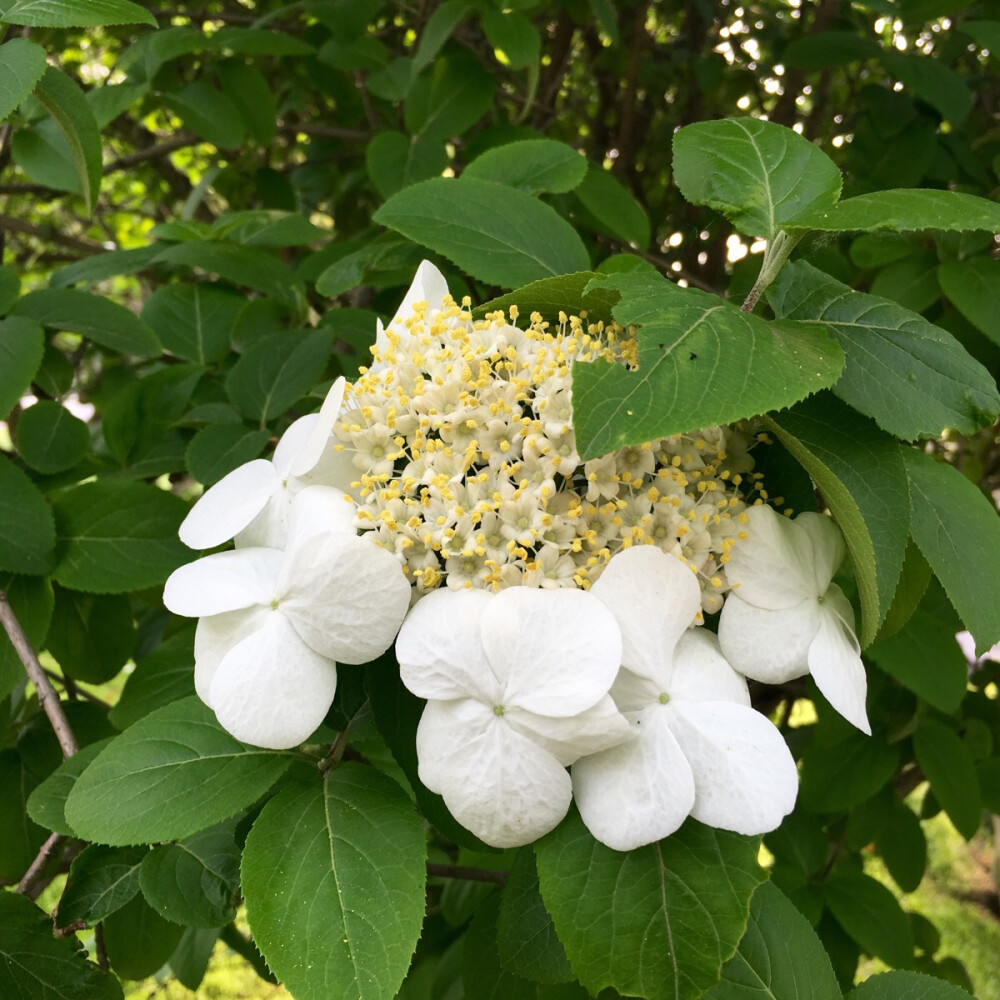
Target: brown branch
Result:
[[50, 234], [79, 691], [100, 952], [46, 692], [31, 885], [465, 872], [181, 140]]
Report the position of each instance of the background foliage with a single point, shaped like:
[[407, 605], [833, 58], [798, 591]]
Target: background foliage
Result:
[[204, 208]]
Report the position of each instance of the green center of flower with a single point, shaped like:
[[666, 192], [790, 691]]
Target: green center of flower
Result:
[[498, 710], [274, 605], [664, 698]]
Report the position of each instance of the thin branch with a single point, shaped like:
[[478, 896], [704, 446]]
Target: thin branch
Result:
[[50, 234], [31, 885], [326, 131], [100, 951], [182, 140], [46, 692], [82, 692], [467, 873]]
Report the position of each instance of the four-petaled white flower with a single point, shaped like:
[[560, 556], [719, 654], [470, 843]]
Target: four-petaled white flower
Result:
[[273, 624], [252, 501], [697, 747], [784, 618], [517, 684]]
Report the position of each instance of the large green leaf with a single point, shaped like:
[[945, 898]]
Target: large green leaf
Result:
[[933, 81], [246, 266], [138, 940], [903, 210], [22, 64], [396, 160], [28, 535], [514, 35], [450, 98], [64, 100], [101, 880], [611, 208], [533, 165], [484, 976], [948, 765], [958, 531], [116, 535], [756, 173], [437, 29], [47, 803], [193, 321], [49, 438], [164, 675], [75, 13], [974, 288], [836, 776], [911, 985], [911, 377], [657, 922], [779, 958], [701, 362], [569, 293], [219, 448], [35, 965], [104, 322], [495, 233], [22, 345], [91, 635], [174, 773], [209, 113], [902, 844], [333, 876], [861, 474], [869, 913]]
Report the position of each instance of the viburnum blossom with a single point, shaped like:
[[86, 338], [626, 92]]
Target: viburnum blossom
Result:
[[785, 617], [697, 747], [273, 624], [517, 684]]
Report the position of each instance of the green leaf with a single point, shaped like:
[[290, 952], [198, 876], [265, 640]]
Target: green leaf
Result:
[[261, 42], [701, 362], [31, 599], [22, 345], [245, 266], [189, 961], [249, 90], [164, 675], [101, 880], [193, 321], [194, 882], [20, 839], [912, 985], [138, 940], [450, 99], [902, 210], [209, 113], [613, 208], [47, 803], [861, 474], [91, 635], [49, 438], [869, 913], [483, 975], [913, 580], [174, 773], [333, 876], [945, 760], [829, 50], [933, 81], [924, 657], [115, 535], [974, 289], [526, 939], [395, 160], [22, 64], [10, 288], [902, 844], [759, 175], [445, 18], [569, 293], [837, 776], [911, 377], [219, 448], [35, 965], [533, 165], [109, 264], [100, 320], [64, 100], [278, 370], [779, 958], [513, 35], [75, 13], [28, 536], [657, 922], [912, 282], [958, 532], [497, 234]]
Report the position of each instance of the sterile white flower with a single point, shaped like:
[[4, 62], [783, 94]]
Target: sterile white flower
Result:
[[697, 747], [785, 618], [253, 500], [517, 687], [274, 624]]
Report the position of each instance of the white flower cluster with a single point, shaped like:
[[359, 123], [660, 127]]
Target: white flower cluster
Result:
[[567, 633]]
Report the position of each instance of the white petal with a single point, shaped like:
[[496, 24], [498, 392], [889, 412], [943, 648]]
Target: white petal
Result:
[[440, 651], [768, 646], [345, 596], [556, 652], [309, 454], [446, 728], [633, 693], [639, 791], [230, 505], [702, 673], [773, 568], [505, 789], [336, 468], [292, 442], [269, 529], [316, 509], [654, 596], [215, 636], [271, 690], [835, 663], [428, 286], [744, 775], [827, 543], [569, 739], [225, 581]]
